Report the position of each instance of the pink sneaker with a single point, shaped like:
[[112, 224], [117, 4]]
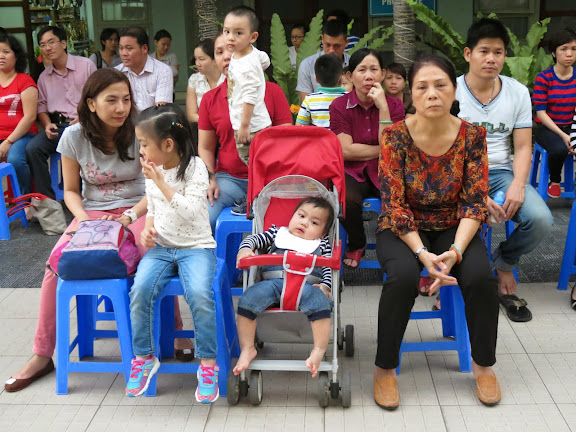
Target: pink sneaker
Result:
[[207, 390], [140, 375]]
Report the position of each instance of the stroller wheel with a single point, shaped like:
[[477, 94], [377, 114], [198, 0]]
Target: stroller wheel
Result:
[[340, 341], [349, 339], [323, 389], [346, 389], [232, 388], [255, 387]]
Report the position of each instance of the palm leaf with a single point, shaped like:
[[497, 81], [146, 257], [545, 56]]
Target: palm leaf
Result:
[[379, 42], [284, 75], [311, 41], [364, 39]]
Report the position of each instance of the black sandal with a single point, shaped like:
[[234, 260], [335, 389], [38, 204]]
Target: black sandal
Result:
[[516, 308], [572, 300]]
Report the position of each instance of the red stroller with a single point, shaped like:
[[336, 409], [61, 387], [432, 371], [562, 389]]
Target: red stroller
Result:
[[287, 164]]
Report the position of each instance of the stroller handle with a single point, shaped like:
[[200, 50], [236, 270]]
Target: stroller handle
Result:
[[276, 259]]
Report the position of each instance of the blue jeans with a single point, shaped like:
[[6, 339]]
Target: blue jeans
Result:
[[533, 218], [313, 302], [17, 157], [196, 269], [232, 189]]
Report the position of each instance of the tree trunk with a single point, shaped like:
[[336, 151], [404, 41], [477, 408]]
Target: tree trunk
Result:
[[404, 34], [207, 22]]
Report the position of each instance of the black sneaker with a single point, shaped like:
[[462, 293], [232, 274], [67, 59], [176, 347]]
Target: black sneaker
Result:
[[239, 208]]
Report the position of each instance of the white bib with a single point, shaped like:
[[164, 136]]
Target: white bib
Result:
[[285, 240]]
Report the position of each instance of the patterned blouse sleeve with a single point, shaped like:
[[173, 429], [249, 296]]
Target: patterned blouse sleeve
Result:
[[396, 213], [475, 181]]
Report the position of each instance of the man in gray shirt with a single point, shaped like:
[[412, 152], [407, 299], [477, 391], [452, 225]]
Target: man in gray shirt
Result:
[[334, 41]]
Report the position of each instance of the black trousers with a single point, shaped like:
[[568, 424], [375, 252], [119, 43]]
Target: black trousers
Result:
[[475, 278], [356, 192], [38, 151], [557, 150]]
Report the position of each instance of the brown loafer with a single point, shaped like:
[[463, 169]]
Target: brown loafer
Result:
[[386, 393], [15, 384], [488, 390]]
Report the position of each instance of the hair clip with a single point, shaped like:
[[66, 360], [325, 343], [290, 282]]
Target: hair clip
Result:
[[178, 125]]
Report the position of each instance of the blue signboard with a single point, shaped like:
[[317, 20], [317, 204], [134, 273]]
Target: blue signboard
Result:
[[380, 8]]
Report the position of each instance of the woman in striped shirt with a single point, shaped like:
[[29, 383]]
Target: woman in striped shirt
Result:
[[555, 101]]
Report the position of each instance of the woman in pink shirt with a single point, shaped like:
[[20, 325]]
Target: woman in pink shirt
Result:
[[358, 119]]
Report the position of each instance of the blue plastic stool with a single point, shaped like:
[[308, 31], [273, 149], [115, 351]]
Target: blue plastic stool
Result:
[[56, 180], [369, 204], [7, 170], [164, 332], [539, 180], [228, 235], [569, 258], [87, 293], [487, 235]]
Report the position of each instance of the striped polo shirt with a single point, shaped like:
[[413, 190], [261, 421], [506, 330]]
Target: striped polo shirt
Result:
[[315, 106], [555, 96]]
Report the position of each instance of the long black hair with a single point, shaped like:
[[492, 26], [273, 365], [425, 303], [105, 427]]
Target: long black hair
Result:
[[169, 121]]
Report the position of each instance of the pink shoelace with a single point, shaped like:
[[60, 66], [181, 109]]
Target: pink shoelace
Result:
[[207, 373], [136, 368]]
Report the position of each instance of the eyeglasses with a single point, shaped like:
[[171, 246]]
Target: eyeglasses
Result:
[[297, 37], [51, 43]]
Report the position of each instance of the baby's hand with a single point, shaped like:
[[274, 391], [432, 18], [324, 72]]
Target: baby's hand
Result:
[[148, 237], [324, 289], [245, 252], [244, 135]]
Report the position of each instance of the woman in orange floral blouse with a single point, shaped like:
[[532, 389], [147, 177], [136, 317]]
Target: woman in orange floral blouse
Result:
[[433, 175]]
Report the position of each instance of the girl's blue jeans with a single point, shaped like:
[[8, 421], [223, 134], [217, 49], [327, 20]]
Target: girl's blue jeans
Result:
[[195, 269]]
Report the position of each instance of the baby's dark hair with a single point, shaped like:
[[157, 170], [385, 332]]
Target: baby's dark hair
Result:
[[248, 12], [320, 203], [328, 70], [169, 121]]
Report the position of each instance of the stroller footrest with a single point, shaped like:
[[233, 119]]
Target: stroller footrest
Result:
[[286, 365]]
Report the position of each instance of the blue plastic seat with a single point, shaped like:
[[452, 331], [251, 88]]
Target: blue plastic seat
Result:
[[7, 170], [569, 257], [539, 178], [87, 293], [56, 179]]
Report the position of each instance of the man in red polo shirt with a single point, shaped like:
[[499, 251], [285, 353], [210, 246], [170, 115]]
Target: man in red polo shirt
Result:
[[229, 184]]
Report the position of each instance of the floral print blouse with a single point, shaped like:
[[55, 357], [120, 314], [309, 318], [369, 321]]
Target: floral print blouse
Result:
[[432, 193]]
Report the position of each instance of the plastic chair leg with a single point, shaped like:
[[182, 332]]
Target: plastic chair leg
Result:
[[461, 332], [568, 259], [448, 318], [62, 343], [85, 305]]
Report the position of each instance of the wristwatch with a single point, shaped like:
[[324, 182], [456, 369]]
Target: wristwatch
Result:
[[131, 214], [419, 251]]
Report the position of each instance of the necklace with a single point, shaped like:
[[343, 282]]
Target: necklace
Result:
[[474, 93]]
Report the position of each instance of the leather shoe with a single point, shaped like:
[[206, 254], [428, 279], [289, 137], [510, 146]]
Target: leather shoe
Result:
[[16, 384], [185, 355], [488, 390], [386, 393]]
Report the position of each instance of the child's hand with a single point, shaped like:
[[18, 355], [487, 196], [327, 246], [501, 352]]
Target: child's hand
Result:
[[148, 237], [324, 289], [244, 135], [151, 171], [243, 253]]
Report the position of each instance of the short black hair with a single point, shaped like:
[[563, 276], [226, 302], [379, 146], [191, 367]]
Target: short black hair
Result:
[[59, 32], [340, 15], [360, 55], [560, 38], [435, 60], [328, 70], [3, 30], [335, 28], [487, 28], [136, 32], [302, 26], [248, 12], [160, 34], [319, 202], [106, 34], [398, 69], [207, 45], [19, 53]]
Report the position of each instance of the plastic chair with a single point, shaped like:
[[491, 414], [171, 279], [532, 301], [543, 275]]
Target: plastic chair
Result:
[[7, 170], [56, 179], [539, 178], [87, 293], [164, 332], [569, 258], [228, 235]]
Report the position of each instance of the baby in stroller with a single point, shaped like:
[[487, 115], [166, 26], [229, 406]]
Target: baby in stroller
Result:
[[307, 232]]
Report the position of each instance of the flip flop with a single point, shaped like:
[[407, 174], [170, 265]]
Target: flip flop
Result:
[[353, 255], [515, 308]]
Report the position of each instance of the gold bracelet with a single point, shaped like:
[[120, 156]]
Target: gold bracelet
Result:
[[8, 141]]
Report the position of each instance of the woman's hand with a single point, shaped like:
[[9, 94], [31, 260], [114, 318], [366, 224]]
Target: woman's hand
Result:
[[79, 219], [566, 138], [242, 253], [213, 191], [496, 211], [148, 237], [378, 96], [439, 267], [4, 149], [123, 219], [151, 171]]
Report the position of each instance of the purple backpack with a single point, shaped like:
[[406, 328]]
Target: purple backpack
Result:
[[99, 249]]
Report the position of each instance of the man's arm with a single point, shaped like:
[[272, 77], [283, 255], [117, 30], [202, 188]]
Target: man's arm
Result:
[[304, 86], [164, 86], [521, 167]]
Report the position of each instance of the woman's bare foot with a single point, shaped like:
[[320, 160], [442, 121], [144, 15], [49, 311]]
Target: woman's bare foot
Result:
[[246, 356], [34, 365], [313, 362]]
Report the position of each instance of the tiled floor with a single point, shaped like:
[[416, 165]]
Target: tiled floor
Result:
[[536, 367]]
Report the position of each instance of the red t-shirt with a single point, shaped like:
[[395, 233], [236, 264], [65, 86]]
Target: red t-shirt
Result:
[[214, 115], [11, 111]]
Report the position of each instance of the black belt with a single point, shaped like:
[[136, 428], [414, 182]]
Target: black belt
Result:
[[58, 118]]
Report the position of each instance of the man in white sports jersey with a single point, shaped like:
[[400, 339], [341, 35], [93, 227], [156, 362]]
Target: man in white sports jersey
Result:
[[502, 105]]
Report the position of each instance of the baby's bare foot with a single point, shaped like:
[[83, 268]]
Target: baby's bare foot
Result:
[[313, 362], [246, 356]]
